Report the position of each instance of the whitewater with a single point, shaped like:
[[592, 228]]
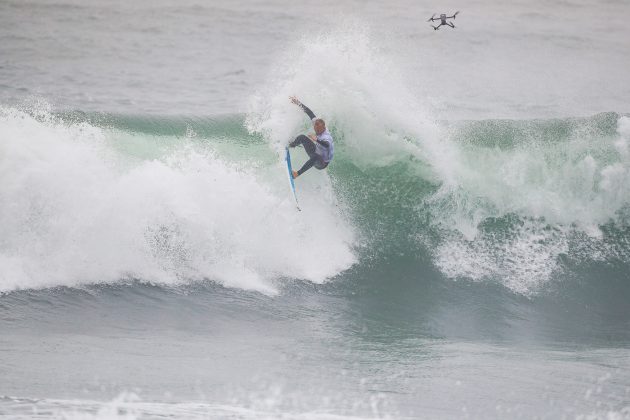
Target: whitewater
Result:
[[465, 255]]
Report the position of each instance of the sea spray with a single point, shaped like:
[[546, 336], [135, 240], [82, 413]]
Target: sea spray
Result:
[[542, 182]]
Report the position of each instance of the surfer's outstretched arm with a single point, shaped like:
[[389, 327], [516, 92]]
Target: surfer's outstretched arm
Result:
[[306, 109]]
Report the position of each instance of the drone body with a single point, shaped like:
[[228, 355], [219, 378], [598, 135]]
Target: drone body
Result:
[[443, 20]]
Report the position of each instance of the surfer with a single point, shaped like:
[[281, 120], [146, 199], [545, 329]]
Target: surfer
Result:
[[318, 146]]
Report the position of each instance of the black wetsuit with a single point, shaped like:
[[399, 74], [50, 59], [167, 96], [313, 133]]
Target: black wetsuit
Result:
[[314, 159]]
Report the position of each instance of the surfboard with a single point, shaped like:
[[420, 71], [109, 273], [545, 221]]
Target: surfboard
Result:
[[291, 181]]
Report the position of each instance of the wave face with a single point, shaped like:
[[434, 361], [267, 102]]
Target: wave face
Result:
[[94, 198], [102, 198]]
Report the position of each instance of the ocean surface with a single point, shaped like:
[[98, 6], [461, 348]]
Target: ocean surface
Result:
[[465, 255]]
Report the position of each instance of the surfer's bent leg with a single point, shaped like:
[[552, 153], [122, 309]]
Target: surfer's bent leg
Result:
[[308, 144], [308, 165], [315, 161]]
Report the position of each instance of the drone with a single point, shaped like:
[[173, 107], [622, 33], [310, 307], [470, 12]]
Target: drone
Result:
[[442, 20]]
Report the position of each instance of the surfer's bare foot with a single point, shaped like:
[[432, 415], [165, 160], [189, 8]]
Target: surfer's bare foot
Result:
[[295, 174]]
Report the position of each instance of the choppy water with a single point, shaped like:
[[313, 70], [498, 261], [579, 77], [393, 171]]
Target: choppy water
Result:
[[466, 255]]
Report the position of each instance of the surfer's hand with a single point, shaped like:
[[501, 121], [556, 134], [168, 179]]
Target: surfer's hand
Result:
[[294, 100], [313, 138], [295, 174]]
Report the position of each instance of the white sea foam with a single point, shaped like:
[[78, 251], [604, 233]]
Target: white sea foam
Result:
[[75, 211], [192, 215]]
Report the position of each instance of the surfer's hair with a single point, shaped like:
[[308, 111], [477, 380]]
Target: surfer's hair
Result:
[[320, 120]]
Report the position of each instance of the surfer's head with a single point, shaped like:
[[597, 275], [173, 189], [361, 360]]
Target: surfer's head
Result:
[[319, 125]]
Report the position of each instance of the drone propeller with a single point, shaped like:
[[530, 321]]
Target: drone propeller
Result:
[[455, 15], [431, 18]]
